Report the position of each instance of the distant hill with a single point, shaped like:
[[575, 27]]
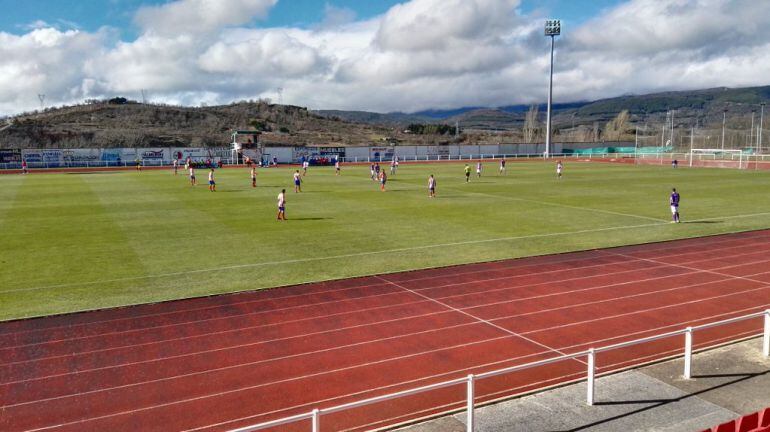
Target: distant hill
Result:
[[134, 124], [121, 123], [706, 105]]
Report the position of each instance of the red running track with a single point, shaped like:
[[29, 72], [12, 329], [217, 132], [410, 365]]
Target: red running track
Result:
[[216, 363]]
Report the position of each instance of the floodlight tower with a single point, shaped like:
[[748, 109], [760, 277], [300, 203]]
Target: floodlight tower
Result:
[[552, 29]]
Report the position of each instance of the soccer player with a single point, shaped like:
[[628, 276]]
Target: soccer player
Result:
[[24, 166], [282, 204], [376, 170], [559, 168], [192, 176], [383, 180], [138, 165], [393, 166], [337, 166], [674, 163], [502, 166], [176, 166], [674, 202], [431, 186], [467, 173], [304, 167], [297, 182], [478, 169], [371, 171], [253, 176], [212, 183]]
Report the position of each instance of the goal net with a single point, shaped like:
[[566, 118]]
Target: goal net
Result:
[[718, 158]]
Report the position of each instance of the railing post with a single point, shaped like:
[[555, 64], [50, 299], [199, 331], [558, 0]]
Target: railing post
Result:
[[315, 419], [688, 353], [591, 371], [766, 336], [470, 422]]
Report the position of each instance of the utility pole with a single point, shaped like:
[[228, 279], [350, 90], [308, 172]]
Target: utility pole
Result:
[[724, 120], [761, 117], [42, 100], [280, 95], [672, 127]]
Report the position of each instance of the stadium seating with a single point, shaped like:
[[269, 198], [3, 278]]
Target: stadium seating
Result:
[[754, 422]]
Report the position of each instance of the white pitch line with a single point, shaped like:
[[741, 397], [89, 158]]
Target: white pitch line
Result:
[[393, 305], [385, 251], [548, 203], [308, 294], [240, 329], [715, 240]]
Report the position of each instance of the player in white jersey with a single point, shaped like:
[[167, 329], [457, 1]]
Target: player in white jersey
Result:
[[478, 169], [559, 169], [431, 186], [282, 205], [297, 182], [337, 166], [502, 166], [176, 166], [304, 168], [192, 176], [212, 183]]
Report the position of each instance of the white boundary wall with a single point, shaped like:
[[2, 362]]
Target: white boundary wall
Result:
[[53, 158]]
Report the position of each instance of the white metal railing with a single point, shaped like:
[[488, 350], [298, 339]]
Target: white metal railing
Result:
[[315, 415]]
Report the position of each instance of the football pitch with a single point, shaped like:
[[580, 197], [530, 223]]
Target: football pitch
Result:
[[72, 242]]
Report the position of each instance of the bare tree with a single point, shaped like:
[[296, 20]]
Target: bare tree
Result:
[[530, 124], [616, 127]]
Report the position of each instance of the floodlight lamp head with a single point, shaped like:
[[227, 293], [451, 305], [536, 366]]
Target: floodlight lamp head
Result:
[[552, 27]]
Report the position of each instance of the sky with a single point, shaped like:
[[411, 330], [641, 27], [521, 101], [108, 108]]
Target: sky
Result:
[[374, 55]]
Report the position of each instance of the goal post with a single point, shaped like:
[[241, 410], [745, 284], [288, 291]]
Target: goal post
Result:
[[722, 158]]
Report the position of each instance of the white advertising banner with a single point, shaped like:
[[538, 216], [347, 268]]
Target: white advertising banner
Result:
[[49, 157], [80, 156]]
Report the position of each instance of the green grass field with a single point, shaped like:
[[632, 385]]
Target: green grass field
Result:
[[73, 242]]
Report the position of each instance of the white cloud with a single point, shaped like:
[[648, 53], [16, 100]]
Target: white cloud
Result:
[[272, 52], [435, 24], [200, 16], [43, 61], [336, 16], [420, 54]]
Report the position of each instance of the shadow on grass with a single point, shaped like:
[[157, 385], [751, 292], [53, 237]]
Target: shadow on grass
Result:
[[308, 218], [704, 222]]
